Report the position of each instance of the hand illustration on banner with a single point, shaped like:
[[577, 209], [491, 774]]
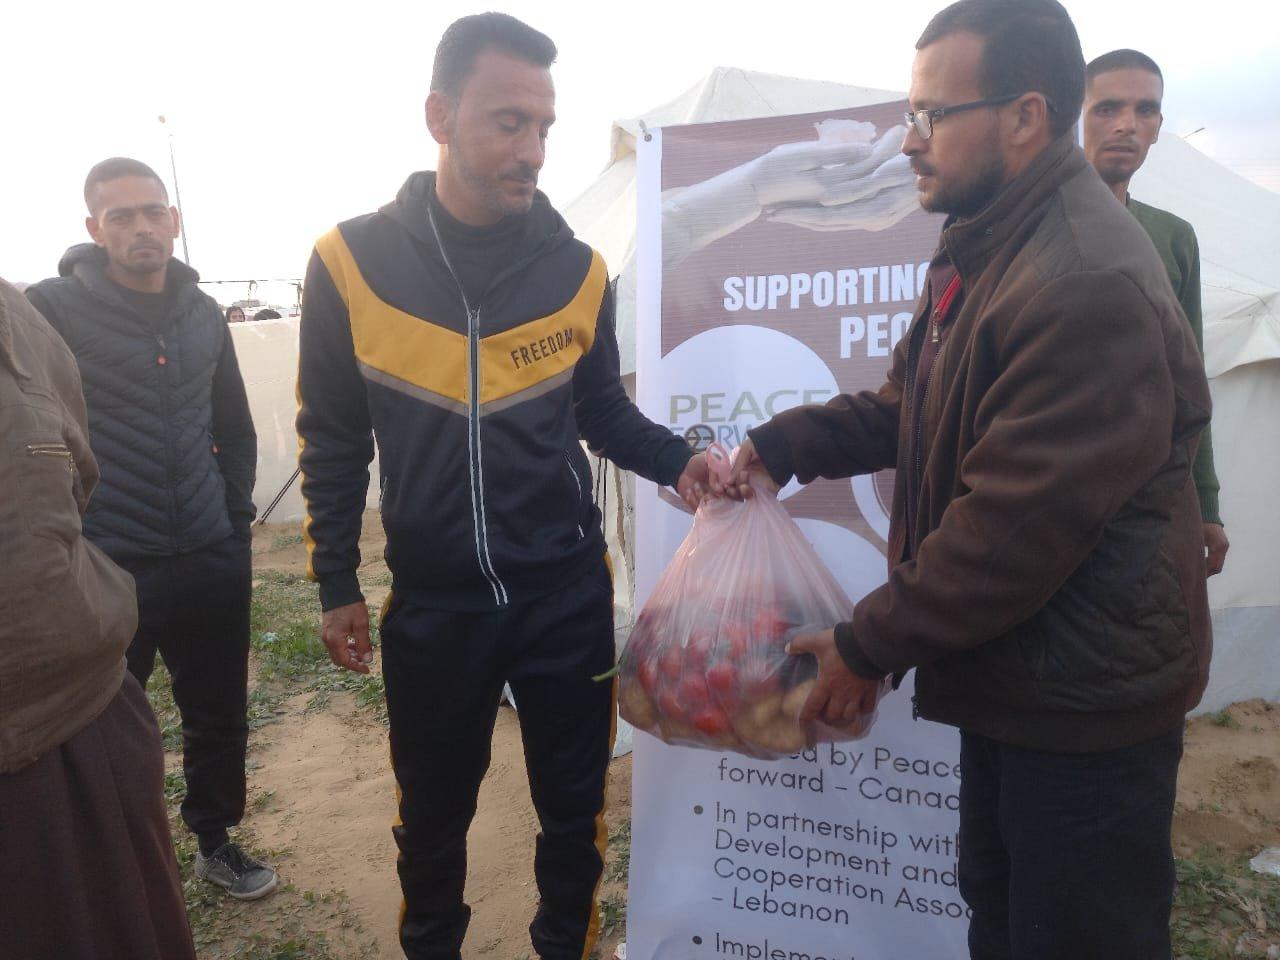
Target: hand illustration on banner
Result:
[[841, 181]]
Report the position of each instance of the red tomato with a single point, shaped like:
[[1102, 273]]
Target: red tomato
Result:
[[670, 705], [693, 692], [647, 674], [721, 680], [711, 721], [698, 650], [671, 662]]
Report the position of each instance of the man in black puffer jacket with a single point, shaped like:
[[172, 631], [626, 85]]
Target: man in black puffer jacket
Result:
[[169, 423]]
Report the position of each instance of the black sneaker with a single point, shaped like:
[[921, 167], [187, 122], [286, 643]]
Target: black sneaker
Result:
[[236, 872]]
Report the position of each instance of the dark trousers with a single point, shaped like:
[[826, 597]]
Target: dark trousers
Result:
[[194, 609], [87, 870], [1067, 856], [444, 673]]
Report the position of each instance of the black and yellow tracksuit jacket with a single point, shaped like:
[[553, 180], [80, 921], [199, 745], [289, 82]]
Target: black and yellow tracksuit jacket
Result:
[[477, 409]]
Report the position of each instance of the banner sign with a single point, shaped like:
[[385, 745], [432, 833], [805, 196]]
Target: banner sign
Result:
[[779, 264]]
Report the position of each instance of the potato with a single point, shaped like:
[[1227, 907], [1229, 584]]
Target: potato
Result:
[[763, 711], [636, 707], [677, 731], [762, 728], [724, 741], [795, 698], [783, 736]]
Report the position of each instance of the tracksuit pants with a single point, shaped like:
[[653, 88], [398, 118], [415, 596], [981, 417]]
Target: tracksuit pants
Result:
[[444, 673], [193, 608], [1068, 856]]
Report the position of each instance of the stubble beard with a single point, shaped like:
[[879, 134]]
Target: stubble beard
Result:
[[966, 198], [488, 192], [143, 268], [1112, 174]]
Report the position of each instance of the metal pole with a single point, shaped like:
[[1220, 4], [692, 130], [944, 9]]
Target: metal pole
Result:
[[177, 194]]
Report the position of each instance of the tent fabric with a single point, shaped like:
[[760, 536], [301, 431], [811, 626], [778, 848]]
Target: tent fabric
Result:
[[268, 355], [1245, 597], [1238, 225]]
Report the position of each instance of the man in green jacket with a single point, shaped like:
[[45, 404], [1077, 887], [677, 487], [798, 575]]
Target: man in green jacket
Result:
[[1122, 117]]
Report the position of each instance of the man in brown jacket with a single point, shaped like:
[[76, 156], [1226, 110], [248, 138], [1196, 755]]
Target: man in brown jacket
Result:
[[1046, 570], [86, 864]]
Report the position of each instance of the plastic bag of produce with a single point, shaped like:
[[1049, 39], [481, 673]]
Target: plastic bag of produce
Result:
[[706, 664]]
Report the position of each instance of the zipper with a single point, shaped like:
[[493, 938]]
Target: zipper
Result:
[[913, 361], [59, 450], [474, 450], [162, 361], [938, 314], [942, 307], [577, 483], [924, 400]]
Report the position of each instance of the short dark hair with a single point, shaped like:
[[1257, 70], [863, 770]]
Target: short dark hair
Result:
[[1121, 60], [114, 169], [267, 314], [467, 37], [1030, 45]]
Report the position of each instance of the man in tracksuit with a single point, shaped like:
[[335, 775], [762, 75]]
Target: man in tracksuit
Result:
[[169, 422], [465, 328]]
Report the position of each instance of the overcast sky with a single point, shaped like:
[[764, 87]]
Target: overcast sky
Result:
[[288, 117]]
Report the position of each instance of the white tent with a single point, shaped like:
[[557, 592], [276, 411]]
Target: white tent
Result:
[[1238, 224]]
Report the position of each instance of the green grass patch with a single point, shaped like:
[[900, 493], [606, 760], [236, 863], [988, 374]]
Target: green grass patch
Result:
[[619, 852], [613, 913], [290, 657], [160, 693], [1221, 904], [1223, 718]]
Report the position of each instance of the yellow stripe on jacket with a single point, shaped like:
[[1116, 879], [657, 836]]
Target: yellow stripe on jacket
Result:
[[418, 352]]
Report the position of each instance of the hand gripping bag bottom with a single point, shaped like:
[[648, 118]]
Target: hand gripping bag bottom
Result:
[[706, 664]]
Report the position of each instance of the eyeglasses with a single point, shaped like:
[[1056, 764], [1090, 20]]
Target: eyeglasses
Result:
[[923, 120]]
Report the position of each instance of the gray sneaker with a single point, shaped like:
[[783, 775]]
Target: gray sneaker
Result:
[[236, 872]]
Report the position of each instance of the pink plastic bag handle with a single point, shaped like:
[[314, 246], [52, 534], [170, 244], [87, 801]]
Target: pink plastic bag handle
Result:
[[720, 462]]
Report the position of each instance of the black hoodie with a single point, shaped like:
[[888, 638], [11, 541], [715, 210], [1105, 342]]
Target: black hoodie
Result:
[[477, 409]]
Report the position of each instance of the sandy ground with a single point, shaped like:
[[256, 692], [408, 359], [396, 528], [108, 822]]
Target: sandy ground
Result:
[[332, 798], [333, 803]]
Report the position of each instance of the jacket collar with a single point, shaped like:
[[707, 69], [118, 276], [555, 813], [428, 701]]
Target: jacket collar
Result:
[[8, 352], [542, 226], [87, 263], [971, 244]]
